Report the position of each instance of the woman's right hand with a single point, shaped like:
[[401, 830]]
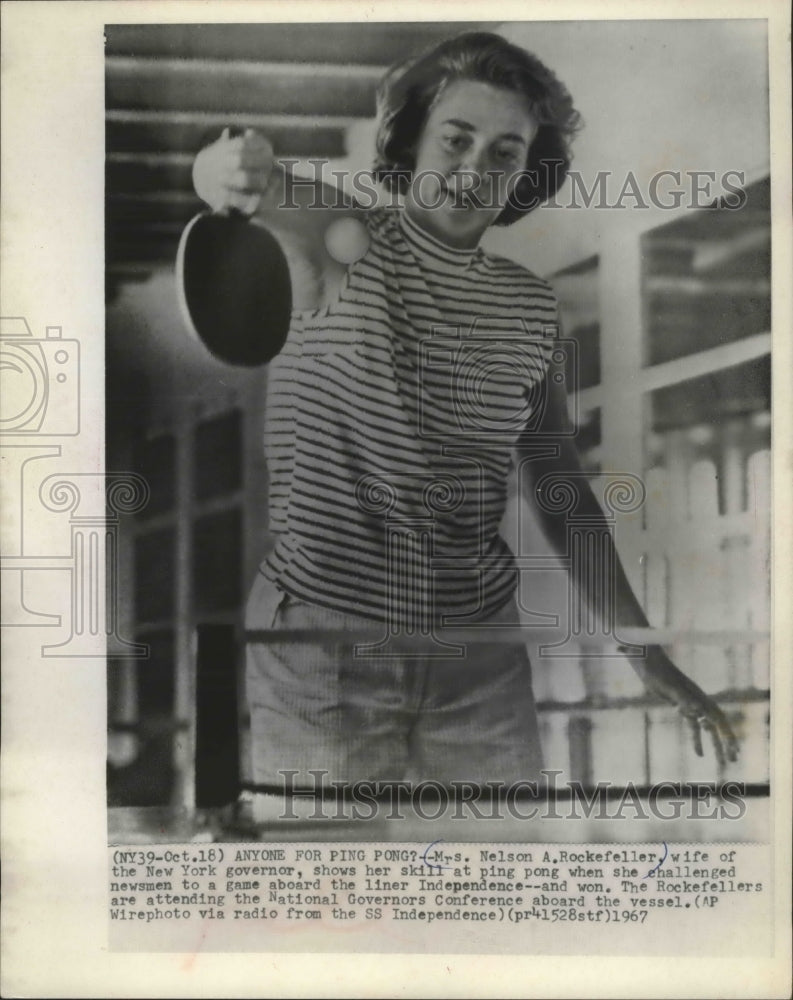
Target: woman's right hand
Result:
[[234, 172], [241, 172]]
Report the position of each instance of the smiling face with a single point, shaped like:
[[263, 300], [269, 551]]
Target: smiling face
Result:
[[474, 146]]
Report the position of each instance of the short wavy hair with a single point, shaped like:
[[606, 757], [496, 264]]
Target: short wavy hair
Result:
[[410, 90]]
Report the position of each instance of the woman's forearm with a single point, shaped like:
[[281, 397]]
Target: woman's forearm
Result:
[[608, 576]]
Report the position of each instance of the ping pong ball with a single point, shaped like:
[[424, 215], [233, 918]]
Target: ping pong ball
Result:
[[347, 240]]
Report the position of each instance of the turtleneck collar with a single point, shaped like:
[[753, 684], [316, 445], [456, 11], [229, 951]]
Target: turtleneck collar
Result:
[[426, 246]]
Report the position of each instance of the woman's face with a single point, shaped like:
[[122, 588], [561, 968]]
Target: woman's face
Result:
[[474, 146]]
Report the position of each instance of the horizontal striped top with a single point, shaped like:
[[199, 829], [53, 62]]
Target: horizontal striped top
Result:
[[390, 421]]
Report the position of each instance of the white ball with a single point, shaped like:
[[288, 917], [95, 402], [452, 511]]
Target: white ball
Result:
[[122, 749], [347, 240]]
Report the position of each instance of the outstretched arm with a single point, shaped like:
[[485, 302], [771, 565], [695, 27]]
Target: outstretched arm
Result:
[[660, 676]]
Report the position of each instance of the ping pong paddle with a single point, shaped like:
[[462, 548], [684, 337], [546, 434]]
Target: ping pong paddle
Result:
[[234, 288]]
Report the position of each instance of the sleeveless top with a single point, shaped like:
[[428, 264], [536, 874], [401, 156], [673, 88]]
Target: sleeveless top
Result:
[[390, 420]]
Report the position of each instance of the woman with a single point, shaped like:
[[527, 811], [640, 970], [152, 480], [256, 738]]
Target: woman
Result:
[[409, 380]]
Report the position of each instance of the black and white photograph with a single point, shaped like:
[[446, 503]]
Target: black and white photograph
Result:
[[395, 534], [448, 339]]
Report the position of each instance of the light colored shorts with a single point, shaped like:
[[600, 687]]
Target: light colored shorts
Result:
[[359, 718]]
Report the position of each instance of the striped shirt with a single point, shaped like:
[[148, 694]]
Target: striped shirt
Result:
[[390, 420]]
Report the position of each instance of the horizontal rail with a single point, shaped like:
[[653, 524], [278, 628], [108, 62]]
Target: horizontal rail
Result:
[[225, 68], [689, 366], [503, 635], [600, 703], [254, 119], [392, 791]]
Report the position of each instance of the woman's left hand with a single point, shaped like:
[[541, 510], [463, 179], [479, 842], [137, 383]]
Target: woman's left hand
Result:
[[663, 679]]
